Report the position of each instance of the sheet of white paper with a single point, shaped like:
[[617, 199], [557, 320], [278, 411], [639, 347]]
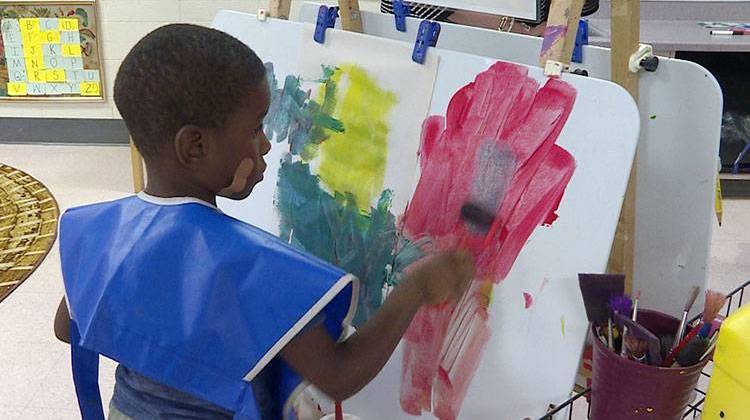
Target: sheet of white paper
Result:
[[389, 67]]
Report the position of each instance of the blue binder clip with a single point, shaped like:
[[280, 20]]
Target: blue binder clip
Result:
[[400, 12], [326, 19], [427, 37], [582, 38]]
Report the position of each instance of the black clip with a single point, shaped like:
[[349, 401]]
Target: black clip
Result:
[[427, 37], [400, 12], [326, 19]]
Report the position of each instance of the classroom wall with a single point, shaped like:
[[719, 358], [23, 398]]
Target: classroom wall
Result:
[[123, 23]]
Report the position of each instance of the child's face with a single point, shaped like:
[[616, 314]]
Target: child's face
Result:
[[243, 146]]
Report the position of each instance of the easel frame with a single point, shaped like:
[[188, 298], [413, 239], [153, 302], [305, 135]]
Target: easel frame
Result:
[[625, 42]]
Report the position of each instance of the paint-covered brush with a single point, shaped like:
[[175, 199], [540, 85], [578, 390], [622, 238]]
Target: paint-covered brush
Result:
[[711, 345], [683, 322], [495, 166], [636, 348], [635, 306], [596, 290], [339, 411], [476, 217], [623, 352], [713, 303], [692, 352], [621, 304], [640, 332]]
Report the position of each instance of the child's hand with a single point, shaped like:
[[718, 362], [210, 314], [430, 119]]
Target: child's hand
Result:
[[443, 277]]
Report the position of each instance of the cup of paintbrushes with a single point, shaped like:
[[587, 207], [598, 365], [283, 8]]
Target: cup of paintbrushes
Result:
[[625, 389]]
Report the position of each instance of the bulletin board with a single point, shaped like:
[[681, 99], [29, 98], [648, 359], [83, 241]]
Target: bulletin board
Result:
[[49, 50]]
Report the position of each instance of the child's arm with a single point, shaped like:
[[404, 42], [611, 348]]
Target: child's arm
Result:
[[342, 369], [62, 322]]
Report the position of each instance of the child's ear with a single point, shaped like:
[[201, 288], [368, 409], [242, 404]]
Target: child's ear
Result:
[[191, 146]]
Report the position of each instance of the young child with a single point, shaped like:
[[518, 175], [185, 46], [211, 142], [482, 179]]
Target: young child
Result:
[[210, 317]]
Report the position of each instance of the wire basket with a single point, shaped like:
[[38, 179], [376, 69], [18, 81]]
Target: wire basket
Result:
[[734, 301]]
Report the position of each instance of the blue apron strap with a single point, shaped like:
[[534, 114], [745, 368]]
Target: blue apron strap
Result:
[[85, 365], [248, 409]]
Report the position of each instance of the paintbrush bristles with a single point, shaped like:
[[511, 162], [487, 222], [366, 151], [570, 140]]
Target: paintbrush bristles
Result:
[[714, 302], [621, 304], [636, 347], [691, 299]]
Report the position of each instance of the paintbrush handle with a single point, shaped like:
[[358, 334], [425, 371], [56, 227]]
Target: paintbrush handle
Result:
[[680, 330], [675, 351]]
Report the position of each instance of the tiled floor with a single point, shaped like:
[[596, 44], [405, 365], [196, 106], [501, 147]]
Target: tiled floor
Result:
[[34, 367]]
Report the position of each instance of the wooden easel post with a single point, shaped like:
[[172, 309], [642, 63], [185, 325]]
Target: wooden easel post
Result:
[[626, 29], [351, 18], [560, 36], [279, 9], [559, 40]]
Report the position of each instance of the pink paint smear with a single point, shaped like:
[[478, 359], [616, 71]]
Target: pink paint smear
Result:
[[528, 300], [495, 149]]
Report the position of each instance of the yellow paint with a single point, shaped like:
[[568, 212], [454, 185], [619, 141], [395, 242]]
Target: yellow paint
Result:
[[90, 89], [562, 324], [487, 290], [55, 75], [71, 50], [68, 24], [29, 25], [354, 161], [729, 390], [51, 37], [16, 89], [718, 208], [36, 75]]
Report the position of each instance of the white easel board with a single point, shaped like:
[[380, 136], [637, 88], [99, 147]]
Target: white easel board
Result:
[[680, 106], [532, 357]]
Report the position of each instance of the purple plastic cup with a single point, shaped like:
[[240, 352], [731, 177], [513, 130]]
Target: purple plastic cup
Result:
[[622, 389]]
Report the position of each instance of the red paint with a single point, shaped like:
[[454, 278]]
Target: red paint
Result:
[[495, 147], [339, 411], [528, 300], [506, 107]]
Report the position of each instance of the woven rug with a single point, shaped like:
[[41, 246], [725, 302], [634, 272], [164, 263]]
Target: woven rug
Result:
[[28, 226]]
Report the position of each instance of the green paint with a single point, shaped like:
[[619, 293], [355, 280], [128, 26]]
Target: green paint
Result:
[[335, 229], [294, 118]]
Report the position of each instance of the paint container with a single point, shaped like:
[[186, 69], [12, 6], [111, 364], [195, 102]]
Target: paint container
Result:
[[346, 417], [623, 389]]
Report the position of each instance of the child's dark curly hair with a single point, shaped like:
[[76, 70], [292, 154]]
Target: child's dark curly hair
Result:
[[183, 74]]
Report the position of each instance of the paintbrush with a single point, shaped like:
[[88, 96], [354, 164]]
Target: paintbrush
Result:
[[339, 411], [621, 304], [640, 332], [635, 305], [683, 322], [711, 345], [714, 301], [472, 306], [636, 348], [623, 352], [692, 352]]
